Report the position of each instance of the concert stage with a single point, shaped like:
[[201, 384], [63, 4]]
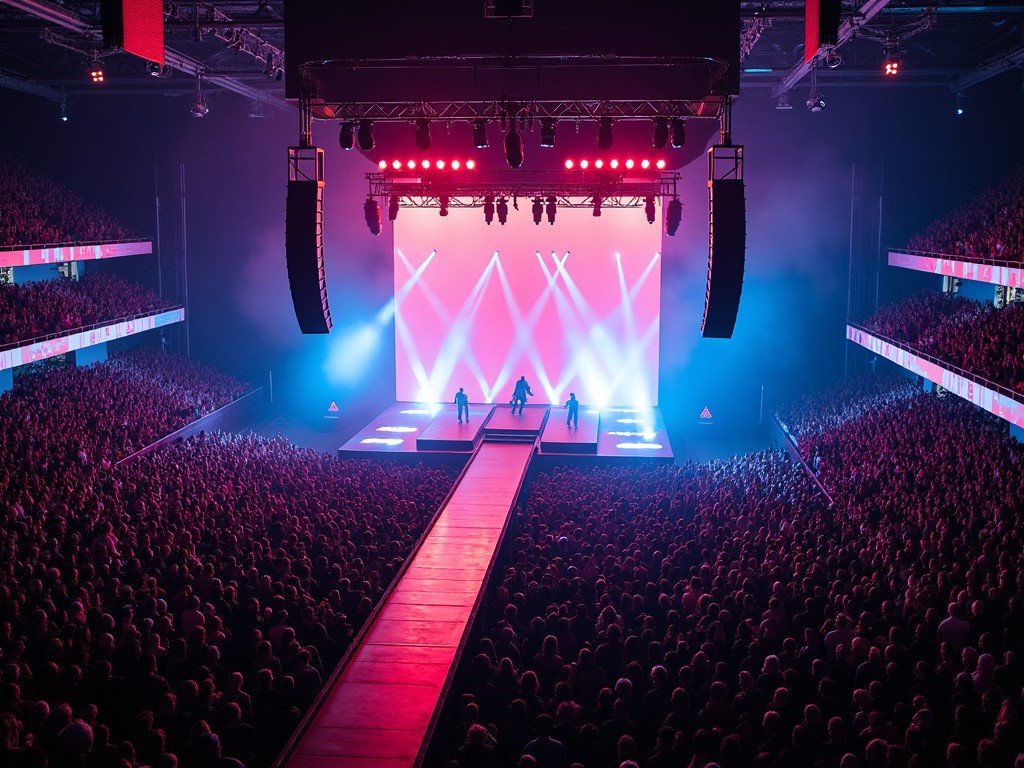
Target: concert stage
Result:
[[408, 429]]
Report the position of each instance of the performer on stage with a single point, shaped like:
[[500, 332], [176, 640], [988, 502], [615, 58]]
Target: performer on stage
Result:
[[574, 410], [462, 400], [519, 394]]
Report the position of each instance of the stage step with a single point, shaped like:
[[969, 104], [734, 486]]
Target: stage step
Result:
[[509, 437]]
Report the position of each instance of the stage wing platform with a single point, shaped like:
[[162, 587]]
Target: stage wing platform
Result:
[[433, 428]]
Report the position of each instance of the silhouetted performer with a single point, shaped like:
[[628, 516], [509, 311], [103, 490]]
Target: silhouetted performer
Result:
[[519, 394], [574, 410], [462, 400]]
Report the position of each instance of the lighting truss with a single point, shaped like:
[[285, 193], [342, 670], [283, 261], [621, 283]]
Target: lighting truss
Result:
[[711, 107], [236, 34], [616, 190]]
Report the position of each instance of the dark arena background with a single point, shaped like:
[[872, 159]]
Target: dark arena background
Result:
[[511, 383]]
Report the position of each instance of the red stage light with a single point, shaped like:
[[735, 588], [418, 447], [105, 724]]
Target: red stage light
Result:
[[629, 163], [425, 164], [584, 164], [614, 164], [456, 165], [411, 164], [396, 164], [645, 164], [470, 165], [599, 163], [569, 165], [439, 165], [383, 164], [660, 164]]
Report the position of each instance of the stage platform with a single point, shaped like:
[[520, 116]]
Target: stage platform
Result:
[[405, 429], [582, 438]]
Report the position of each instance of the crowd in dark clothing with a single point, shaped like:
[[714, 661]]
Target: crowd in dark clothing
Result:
[[186, 607], [35, 210], [973, 336], [719, 615], [34, 309], [989, 227]]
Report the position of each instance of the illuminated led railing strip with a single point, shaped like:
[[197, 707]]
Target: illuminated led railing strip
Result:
[[61, 254], [32, 353], [1002, 405], [1006, 274]]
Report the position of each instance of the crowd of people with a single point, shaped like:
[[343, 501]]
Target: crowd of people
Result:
[[970, 335], [820, 412], [34, 210], [40, 308], [720, 615], [183, 608], [989, 227]]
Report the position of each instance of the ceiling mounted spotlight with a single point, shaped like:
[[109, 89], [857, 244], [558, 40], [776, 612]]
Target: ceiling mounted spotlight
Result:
[[649, 209], [95, 70], [598, 200], [365, 136], [673, 216], [63, 108], [393, 206], [605, 134], [423, 134], [347, 136], [502, 209], [371, 212], [480, 134], [678, 132], [815, 102], [550, 208], [660, 137], [489, 209], [199, 108], [959, 103], [547, 132], [513, 147], [538, 210], [891, 65], [443, 201]]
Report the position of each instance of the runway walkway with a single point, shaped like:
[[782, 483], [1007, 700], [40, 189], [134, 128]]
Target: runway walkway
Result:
[[378, 711]]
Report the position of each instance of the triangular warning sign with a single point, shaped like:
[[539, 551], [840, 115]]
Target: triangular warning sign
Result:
[[333, 408], [705, 414]]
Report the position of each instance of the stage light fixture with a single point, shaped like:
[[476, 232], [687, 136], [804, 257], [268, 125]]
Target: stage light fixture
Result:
[[199, 108], [599, 163], [411, 165], [551, 208], [502, 209], [959, 103], [347, 136], [597, 203], [470, 165], [630, 163], [660, 165], [645, 164], [393, 206], [480, 134], [371, 212], [815, 103], [456, 165], [569, 164], [365, 136], [439, 165], [382, 164], [678, 132], [538, 210], [613, 164], [584, 164], [547, 132], [891, 65], [95, 70], [396, 164], [488, 209], [660, 137], [443, 201], [425, 165], [423, 134], [605, 134], [673, 216], [513, 147], [649, 209]]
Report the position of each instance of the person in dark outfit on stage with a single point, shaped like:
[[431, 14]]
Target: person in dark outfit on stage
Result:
[[462, 401], [574, 410], [519, 394]]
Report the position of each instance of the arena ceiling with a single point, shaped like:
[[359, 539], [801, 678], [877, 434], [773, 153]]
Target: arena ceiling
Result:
[[48, 48]]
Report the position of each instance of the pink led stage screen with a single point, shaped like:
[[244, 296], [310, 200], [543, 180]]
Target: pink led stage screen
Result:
[[573, 306]]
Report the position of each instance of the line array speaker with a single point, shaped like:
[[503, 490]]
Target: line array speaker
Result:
[[726, 256], [304, 249]]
